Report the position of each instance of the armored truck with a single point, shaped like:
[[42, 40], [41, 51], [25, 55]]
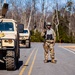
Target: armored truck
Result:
[[24, 36], [9, 43]]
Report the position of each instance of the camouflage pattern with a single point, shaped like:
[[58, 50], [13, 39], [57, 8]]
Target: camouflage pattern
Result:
[[50, 37], [49, 46]]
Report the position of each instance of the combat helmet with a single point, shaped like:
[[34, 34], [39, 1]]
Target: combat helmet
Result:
[[48, 24]]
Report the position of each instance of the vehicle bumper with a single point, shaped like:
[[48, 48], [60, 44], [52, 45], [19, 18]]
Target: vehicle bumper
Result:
[[6, 47]]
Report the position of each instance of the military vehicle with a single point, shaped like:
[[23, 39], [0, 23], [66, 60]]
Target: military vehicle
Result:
[[24, 38], [9, 41]]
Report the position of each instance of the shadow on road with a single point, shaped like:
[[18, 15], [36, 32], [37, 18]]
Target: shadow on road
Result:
[[25, 47], [20, 64], [50, 61], [3, 66]]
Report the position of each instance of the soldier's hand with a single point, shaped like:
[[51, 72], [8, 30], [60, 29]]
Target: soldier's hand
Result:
[[44, 30]]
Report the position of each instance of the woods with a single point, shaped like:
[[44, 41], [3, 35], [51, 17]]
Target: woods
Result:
[[33, 14]]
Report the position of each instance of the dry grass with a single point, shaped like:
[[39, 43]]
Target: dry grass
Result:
[[70, 47]]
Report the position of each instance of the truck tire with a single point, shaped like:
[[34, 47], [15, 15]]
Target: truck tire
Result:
[[10, 60], [28, 43], [10, 63]]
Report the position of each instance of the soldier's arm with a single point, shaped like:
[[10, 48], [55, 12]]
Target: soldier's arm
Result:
[[43, 33]]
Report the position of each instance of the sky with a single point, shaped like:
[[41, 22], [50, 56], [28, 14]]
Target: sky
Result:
[[62, 1], [51, 3]]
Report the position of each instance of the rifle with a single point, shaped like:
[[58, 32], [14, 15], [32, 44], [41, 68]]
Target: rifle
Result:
[[44, 29], [44, 24]]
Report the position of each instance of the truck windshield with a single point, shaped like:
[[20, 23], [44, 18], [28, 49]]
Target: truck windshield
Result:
[[6, 26], [25, 31]]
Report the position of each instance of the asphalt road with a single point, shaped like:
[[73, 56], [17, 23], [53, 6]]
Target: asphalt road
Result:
[[32, 62]]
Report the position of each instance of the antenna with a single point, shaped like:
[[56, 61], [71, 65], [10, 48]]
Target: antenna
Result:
[[4, 9]]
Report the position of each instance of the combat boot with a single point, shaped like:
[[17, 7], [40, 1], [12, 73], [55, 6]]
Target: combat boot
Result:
[[53, 61]]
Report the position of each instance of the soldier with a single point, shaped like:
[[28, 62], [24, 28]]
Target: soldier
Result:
[[49, 43]]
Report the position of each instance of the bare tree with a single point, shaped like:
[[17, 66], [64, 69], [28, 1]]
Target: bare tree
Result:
[[42, 18], [55, 19], [32, 8]]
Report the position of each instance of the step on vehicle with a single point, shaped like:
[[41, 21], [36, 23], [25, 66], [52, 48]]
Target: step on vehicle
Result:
[[24, 39], [9, 41]]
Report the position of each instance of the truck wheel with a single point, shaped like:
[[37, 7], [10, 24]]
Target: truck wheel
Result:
[[10, 63], [10, 60], [17, 62], [28, 43]]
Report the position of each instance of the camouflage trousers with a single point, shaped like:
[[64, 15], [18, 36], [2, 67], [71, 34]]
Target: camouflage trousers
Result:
[[49, 47]]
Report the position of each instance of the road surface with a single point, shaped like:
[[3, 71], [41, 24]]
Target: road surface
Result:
[[32, 61]]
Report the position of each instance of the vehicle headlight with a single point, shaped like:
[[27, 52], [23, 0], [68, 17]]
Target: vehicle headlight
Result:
[[8, 42], [26, 37], [21, 37]]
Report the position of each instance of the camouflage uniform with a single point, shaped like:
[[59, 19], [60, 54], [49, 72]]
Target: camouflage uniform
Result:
[[49, 46]]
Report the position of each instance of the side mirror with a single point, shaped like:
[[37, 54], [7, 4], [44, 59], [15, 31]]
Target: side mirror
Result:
[[44, 25], [20, 28], [4, 9]]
